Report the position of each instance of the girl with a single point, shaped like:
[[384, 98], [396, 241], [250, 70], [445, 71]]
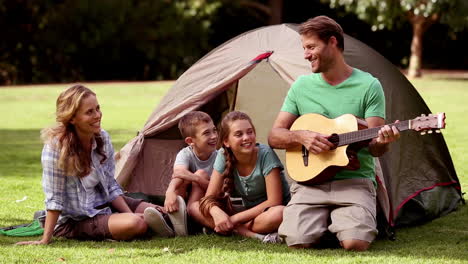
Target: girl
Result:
[[257, 176], [78, 178]]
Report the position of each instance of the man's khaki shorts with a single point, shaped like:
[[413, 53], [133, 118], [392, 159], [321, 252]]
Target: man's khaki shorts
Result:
[[346, 208]]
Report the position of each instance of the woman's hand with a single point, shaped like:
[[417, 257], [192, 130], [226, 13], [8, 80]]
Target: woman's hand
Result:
[[51, 220], [35, 242]]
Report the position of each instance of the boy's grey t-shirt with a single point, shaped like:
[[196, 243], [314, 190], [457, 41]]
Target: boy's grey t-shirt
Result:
[[186, 157]]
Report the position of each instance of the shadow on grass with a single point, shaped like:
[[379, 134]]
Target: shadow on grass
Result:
[[435, 240], [20, 150], [9, 220]]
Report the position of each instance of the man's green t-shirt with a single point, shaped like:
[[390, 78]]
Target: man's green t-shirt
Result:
[[361, 95]]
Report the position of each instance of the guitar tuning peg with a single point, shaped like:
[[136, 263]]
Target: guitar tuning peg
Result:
[[430, 131], [423, 115], [437, 131], [423, 133]]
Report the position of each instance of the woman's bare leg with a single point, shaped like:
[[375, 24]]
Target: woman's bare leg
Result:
[[126, 226]]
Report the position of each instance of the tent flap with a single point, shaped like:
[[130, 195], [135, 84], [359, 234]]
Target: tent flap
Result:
[[153, 170], [428, 205]]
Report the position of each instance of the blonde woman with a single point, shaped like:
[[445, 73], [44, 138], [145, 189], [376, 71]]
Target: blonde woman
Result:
[[82, 198]]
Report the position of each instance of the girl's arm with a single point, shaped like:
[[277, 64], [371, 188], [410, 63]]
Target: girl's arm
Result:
[[274, 189], [51, 221], [215, 185], [221, 220]]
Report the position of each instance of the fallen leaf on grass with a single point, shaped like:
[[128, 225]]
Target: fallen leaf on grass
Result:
[[22, 200]]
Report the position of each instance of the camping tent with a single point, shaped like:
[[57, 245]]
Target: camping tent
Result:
[[252, 73]]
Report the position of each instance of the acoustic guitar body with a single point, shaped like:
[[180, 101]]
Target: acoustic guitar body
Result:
[[349, 135], [325, 165]]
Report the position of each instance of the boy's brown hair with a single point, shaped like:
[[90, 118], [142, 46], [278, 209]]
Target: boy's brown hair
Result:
[[189, 121], [325, 28]]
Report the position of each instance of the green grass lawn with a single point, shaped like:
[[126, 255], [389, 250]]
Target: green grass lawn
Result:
[[126, 106]]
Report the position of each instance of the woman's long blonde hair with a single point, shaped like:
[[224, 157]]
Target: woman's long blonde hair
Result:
[[222, 200], [62, 136]]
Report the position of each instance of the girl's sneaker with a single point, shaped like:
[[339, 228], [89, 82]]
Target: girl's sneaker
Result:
[[272, 238]]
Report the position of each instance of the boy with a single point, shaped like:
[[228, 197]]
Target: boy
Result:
[[192, 167]]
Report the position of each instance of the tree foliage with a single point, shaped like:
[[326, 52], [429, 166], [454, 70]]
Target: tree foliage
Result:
[[421, 14], [74, 40], [388, 13]]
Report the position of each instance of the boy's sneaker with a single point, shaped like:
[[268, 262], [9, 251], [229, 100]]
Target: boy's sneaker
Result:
[[156, 222], [272, 238], [179, 218]]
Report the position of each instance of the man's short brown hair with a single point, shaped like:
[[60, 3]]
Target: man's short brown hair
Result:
[[324, 27], [188, 122]]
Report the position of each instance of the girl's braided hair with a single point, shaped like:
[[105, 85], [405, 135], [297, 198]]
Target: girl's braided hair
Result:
[[222, 199]]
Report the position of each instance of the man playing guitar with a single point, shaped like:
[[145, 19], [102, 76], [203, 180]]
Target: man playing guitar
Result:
[[345, 205]]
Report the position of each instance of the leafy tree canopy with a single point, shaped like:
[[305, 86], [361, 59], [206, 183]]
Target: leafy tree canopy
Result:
[[75, 40], [389, 13], [421, 14]]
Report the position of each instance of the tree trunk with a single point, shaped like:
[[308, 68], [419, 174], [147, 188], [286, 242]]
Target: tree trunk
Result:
[[276, 7], [414, 70], [420, 25]]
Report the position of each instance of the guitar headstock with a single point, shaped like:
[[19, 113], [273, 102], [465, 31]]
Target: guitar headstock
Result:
[[429, 123]]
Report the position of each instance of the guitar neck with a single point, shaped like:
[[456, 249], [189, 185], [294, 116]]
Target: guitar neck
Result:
[[370, 133]]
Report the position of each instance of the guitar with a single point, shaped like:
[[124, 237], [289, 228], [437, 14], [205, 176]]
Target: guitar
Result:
[[346, 131]]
